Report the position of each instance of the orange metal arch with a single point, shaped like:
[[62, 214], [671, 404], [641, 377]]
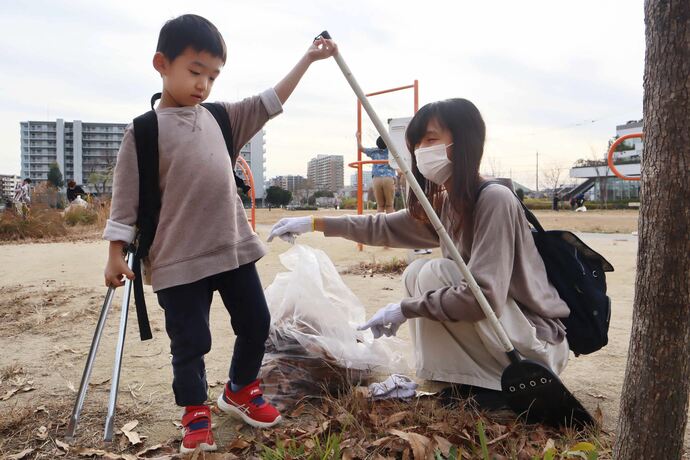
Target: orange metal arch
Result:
[[246, 170], [612, 149]]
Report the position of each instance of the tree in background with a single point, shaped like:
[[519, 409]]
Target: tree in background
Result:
[[654, 402], [55, 176], [277, 196]]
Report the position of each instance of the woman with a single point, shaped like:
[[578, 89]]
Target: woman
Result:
[[453, 340]]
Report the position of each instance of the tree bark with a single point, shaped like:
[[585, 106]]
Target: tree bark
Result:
[[654, 403]]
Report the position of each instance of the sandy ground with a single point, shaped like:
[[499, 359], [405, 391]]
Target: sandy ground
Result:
[[57, 287]]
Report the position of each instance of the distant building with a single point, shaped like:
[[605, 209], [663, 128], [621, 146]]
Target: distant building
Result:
[[599, 180], [254, 153], [7, 185], [366, 180], [79, 149], [289, 183], [325, 172]]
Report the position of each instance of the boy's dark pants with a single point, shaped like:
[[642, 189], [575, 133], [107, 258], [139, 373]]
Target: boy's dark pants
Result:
[[186, 321]]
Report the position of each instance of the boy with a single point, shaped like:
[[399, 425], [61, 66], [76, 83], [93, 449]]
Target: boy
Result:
[[201, 245]]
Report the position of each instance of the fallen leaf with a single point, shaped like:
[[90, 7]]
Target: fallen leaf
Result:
[[418, 443], [297, 412], [396, 418], [9, 394], [599, 416], [597, 395], [239, 444], [380, 441], [148, 449], [42, 433], [40, 409], [70, 385], [62, 445], [443, 445], [132, 436], [443, 427], [20, 455], [309, 444]]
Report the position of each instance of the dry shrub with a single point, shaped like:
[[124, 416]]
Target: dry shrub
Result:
[[77, 215], [393, 266], [39, 223]]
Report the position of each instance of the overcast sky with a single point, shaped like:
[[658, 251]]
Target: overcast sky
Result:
[[548, 76]]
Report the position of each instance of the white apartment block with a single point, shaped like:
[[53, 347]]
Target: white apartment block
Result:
[[366, 180], [254, 153], [79, 148], [325, 172], [7, 185]]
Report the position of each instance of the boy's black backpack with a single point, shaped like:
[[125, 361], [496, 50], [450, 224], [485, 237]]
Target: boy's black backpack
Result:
[[146, 140], [578, 274]]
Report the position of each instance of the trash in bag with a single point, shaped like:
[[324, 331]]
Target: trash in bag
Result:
[[313, 345]]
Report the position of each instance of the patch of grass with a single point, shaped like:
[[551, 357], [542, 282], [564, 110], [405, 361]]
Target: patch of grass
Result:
[[80, 216]]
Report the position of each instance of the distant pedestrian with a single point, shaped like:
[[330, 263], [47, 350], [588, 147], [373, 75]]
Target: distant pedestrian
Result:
[[556, 199], [73, 191]]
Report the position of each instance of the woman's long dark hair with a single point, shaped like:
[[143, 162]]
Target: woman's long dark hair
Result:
[[465, 123]]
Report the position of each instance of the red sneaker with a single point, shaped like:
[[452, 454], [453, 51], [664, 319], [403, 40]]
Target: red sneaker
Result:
[[196, 431], [249, 405]]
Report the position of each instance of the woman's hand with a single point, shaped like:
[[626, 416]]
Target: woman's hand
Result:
[[291, 227], [386, 321]]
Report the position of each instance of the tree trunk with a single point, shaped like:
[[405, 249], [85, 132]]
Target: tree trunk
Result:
[[654, 403]]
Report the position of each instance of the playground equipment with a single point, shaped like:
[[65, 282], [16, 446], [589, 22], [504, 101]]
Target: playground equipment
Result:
[[612, 150]]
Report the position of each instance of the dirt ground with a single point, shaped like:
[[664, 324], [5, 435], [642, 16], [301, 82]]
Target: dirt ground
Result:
[[51, 294]]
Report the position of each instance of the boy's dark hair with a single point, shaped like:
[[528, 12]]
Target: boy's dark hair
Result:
[[380, 143], [190, 30], [27, 180]]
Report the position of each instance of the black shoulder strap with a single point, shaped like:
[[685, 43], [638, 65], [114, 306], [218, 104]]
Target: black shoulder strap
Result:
[[221, 116], [146, 140], [531, 218]]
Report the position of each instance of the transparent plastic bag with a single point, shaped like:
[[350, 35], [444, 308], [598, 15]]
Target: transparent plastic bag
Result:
[[313, 345]]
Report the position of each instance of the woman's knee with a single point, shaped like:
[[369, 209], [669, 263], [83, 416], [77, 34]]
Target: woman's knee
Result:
[[438, 273], [410, 275]]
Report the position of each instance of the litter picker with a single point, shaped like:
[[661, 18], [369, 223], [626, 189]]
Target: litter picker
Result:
[[533, 391], [115, 380]]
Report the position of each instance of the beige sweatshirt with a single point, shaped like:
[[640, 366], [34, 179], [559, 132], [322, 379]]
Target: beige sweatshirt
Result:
[[499, 252], [203, 227]]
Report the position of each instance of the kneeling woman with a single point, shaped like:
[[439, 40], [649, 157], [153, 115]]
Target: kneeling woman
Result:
[[453, 341]]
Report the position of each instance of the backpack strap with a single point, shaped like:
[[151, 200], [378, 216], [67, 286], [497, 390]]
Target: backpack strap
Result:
[[531, 218], [221, 116], [146, 140]]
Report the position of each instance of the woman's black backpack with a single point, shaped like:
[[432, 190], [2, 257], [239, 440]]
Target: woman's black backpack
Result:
[[578, 274]]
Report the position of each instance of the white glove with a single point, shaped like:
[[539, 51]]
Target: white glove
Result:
[[289, 228], [386, 321]]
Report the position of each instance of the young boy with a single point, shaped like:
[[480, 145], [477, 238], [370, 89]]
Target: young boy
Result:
[[201, 244]]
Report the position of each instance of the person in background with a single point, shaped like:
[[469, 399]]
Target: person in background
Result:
[[383, 176], [73, 191]]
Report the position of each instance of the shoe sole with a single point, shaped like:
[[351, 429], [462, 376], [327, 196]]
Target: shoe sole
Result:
[[204, 447], [235, 412]]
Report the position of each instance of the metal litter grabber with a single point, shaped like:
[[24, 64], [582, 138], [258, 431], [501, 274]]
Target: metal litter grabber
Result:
[[115, 380], [533, 391]]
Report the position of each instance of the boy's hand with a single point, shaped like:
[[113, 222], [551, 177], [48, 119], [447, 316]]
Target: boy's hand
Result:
[[116, 268], [321, 49]]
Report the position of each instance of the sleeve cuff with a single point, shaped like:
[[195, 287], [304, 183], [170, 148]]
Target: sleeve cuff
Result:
[[115, 231], [396, 316], [270, 100]]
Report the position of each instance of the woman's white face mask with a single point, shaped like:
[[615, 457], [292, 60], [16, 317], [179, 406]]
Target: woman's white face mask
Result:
[[434, 164]]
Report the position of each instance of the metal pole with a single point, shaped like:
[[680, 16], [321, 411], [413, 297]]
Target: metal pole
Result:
[[86, 376], [115, 380], [435, 221]]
